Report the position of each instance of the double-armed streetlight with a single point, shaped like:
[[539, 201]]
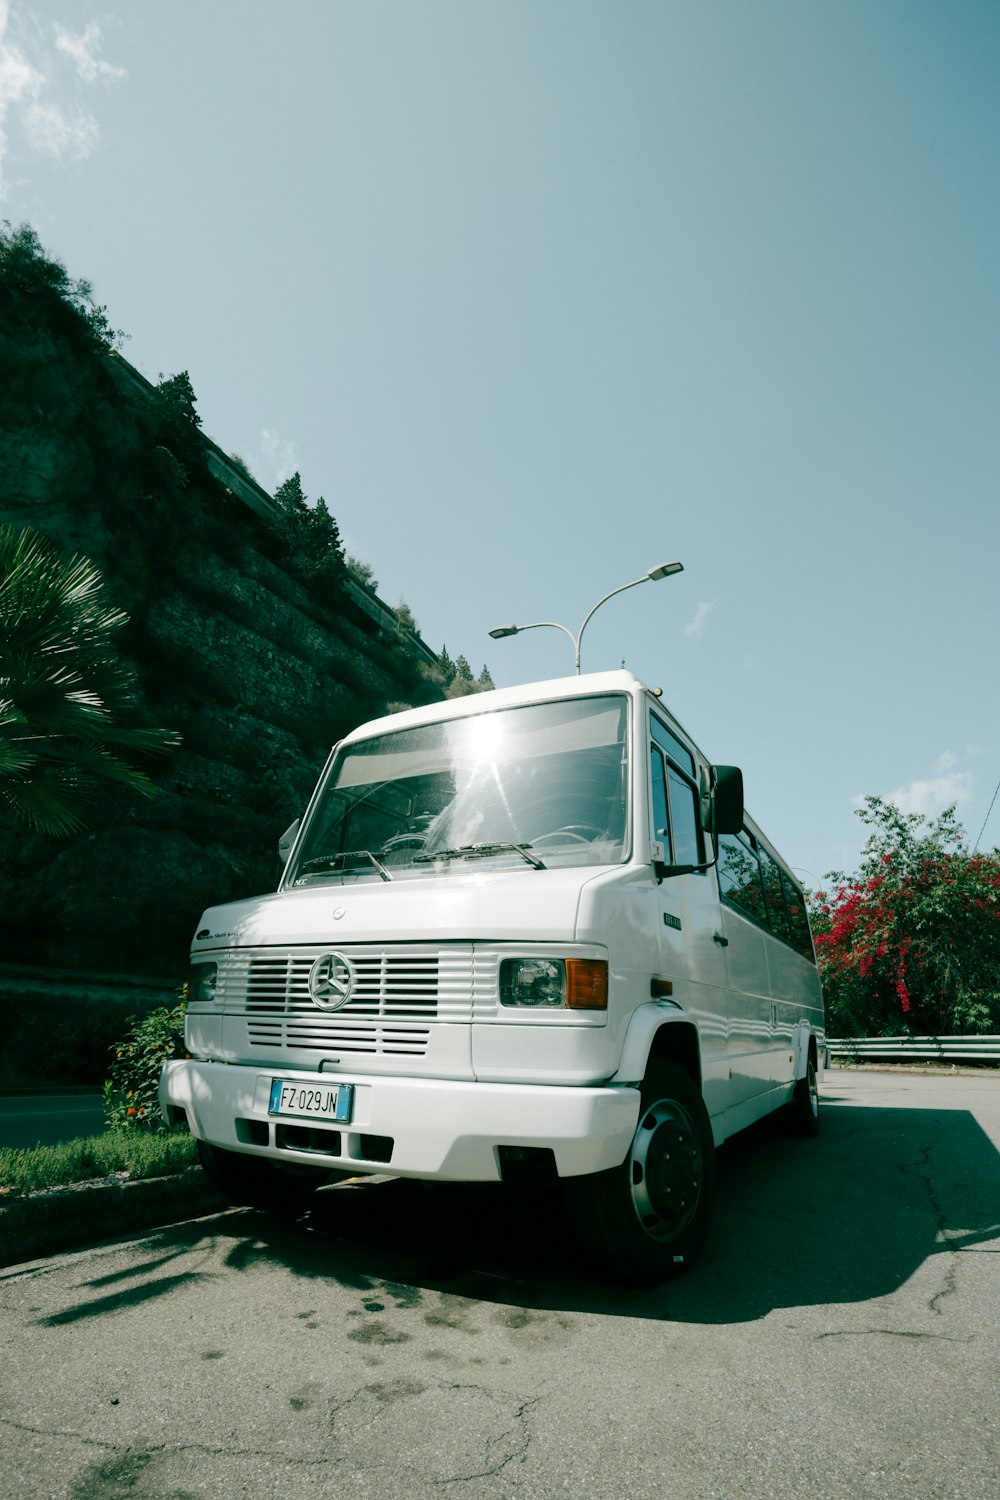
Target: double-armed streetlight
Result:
[[654, 574]]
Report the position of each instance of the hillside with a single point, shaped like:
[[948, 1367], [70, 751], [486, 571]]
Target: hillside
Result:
[[257, 658]]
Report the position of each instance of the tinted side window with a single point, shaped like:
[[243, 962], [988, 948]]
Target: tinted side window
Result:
[[739, 876], [683, 806], [661, 819], [777, 915], [672, 745], [797, 919]]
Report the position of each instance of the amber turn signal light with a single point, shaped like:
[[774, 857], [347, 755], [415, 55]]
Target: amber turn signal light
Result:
[[586, 984]]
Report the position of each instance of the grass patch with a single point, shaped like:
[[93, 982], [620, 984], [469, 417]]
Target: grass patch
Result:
[[138, 1153]]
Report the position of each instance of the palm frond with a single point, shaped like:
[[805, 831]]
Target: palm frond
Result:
[[77, 759], [44, 804], [66, 696]]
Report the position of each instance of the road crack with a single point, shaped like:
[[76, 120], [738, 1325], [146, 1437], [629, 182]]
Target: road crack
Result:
[[891, 1333], [921, 1170]]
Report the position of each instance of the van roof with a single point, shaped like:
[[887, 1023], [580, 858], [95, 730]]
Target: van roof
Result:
[[476, 703], [582, 686]]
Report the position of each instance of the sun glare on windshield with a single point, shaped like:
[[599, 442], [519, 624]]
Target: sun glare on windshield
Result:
[[549, 777]]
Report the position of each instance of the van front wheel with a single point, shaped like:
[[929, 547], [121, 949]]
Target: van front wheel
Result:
[[646, 1220]]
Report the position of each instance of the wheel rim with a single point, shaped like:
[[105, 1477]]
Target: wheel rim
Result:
[[665, 1169]]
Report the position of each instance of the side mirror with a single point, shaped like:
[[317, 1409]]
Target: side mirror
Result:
[[729, 810], [286, 841]]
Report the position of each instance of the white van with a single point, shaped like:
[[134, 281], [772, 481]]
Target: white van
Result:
[[521, 935]]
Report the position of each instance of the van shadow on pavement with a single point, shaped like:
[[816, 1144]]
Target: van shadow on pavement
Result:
[[843, 1218]]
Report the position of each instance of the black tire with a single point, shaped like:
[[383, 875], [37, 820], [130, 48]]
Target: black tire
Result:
[[646, 1220], [255, 1182], [803, 1110]]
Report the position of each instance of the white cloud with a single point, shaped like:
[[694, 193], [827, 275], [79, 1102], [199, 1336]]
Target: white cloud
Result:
[[933, 794], [281, 457], [29, 89], [695, 628], [19, 79], [82, 51], [973, 752], [50, 130], [946, 761]]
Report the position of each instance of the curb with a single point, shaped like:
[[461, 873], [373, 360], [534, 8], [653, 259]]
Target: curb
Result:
[[68, 1218], [926, 1070]]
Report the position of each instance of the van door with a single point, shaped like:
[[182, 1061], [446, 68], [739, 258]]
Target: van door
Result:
[[690, 955]]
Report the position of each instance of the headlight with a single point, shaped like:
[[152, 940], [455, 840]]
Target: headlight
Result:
[[576, 983], [201, 985], [532, 981]]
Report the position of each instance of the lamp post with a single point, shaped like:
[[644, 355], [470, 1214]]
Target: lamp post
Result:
[[652, 576]]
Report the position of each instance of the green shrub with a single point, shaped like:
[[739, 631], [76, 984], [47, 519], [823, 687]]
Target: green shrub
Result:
[[130, 1091]]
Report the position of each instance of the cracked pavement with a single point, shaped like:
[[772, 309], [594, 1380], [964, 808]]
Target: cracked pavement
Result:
[[840, 1337]]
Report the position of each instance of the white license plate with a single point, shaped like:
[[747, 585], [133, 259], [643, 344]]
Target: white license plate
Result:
[[323, 1101]]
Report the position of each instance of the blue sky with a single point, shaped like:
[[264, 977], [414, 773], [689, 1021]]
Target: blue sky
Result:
[[540, 295]]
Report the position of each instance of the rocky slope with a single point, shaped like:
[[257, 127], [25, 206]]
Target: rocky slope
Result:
[[258, 669]]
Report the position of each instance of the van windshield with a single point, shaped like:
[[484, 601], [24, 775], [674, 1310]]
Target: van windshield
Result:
[[535, 787]]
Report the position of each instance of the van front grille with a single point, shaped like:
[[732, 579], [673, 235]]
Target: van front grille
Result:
[[396, 994]]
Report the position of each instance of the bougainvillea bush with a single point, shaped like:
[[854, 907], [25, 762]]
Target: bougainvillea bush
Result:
[[131, 1087], [911, 942]]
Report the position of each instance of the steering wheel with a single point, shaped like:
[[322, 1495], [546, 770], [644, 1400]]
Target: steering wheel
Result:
[[400, 845], [576, 833]]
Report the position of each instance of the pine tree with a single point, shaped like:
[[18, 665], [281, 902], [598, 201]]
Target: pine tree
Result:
[[177, 422], [325, 534], [404, 618], [290, 496]]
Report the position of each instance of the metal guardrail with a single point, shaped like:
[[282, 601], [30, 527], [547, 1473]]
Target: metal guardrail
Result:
[[922, 1048]]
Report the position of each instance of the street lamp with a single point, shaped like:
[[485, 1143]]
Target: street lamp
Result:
[[653, 575]]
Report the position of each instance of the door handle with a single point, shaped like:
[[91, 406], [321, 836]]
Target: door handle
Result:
[[717, 937]]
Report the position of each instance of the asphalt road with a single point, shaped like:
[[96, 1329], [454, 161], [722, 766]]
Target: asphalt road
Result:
[[839, 1339], [49, 1119]]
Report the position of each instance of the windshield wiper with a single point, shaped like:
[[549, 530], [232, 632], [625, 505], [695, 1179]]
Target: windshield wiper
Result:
[[337, 864], [473, 851]]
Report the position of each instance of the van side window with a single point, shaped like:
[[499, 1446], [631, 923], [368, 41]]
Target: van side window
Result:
[[676, 803], [687, 843], [672, 745], [739, 876], [661, 817], [798, 921], [777, 915]]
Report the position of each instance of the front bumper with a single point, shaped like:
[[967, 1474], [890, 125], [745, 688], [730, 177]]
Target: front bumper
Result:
[[434, 1128]]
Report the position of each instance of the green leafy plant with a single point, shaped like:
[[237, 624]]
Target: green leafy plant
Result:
[[34, 278], [130, 1091]]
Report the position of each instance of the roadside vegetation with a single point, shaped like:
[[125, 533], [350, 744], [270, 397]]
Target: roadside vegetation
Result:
[[130, 1090], [132, 1153], [911, 941], [137, 1143]]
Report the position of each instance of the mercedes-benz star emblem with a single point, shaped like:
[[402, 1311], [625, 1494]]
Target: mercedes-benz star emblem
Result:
[[331, 981]]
